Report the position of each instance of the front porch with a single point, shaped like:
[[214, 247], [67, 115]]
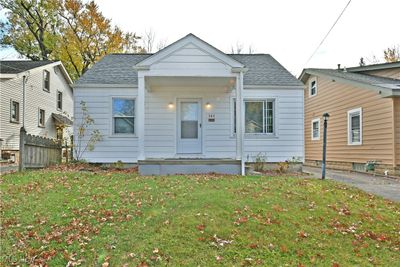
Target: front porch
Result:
[[173, 166]]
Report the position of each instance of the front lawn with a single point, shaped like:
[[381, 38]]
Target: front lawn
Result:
[[67, 218]]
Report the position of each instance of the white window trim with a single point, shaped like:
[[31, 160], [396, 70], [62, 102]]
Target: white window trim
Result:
[[349, 113], [112, 133], [44, 118], [314, 79], [319, 129]]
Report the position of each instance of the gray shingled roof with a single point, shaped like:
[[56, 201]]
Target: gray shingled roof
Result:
[[263, 69], [387, 83], [18, 66], [113, 69]]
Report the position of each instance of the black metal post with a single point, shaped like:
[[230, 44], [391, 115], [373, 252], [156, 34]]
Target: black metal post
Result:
[[326, 116]]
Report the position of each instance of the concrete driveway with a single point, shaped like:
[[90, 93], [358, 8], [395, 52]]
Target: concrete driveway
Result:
[[381, 186]]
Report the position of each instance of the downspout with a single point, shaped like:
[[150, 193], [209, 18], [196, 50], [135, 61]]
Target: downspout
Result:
[[23, 100], [242, 128]]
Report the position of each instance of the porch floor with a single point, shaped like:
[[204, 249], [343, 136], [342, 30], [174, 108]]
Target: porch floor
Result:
[[169, 166]]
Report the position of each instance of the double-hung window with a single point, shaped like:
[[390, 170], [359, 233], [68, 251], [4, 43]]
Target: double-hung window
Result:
[[59, 100], [259, 116], [315, 129], [14, 111], [354, 126], [123, 115], [41, 118], [313, 87]]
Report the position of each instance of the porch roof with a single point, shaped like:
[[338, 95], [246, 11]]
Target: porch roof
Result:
[[117, 69]]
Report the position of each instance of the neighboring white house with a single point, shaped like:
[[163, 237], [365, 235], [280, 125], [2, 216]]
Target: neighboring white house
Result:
[[192, 101], [48, 101]]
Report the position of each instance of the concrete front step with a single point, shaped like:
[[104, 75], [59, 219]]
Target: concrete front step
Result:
[[188, 166]]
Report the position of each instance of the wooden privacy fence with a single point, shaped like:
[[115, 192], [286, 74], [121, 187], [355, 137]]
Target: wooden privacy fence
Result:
[[38, 152]]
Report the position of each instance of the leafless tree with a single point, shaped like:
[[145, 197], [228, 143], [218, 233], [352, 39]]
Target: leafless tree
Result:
[[161, 44], [148, 40]]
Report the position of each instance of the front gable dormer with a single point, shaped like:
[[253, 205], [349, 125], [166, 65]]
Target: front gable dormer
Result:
[[190, 56]]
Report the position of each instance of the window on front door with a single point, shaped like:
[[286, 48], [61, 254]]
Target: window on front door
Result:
[[189, 120], [123, 115]]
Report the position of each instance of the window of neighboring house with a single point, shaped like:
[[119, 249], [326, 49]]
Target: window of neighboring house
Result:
[[354, 124], [59, 100], [46, 80], [60, 133], [14, 111], [313, 87], [41, 118], [259, 116], [315, 129], [123, 115]]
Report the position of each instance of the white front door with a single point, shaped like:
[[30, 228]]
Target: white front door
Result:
[[189, 126]]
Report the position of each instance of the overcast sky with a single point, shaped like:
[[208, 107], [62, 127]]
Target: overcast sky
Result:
[[289, 30]]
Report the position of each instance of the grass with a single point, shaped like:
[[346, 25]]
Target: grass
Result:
[[67, 218]]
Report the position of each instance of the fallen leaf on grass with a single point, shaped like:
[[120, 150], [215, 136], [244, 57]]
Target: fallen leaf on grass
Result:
[[241, 220], [302, 234], [201, 227]]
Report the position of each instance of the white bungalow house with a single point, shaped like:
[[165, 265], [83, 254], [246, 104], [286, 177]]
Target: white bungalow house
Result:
[[191, 108], [36, 95]]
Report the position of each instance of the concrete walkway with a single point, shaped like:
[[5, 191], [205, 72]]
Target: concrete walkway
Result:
[[385, 187]]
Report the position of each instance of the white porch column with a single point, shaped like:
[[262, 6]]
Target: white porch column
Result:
[[140, 108], [239, 126]]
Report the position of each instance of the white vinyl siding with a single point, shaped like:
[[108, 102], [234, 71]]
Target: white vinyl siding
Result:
[[288, 139], [35, 97], [354, 126], [217, 140], [315, 129], [161, 122], [112, 147]]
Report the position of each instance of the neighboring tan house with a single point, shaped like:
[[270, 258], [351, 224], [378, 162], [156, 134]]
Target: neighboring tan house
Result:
[[364, 123], [191, 108], [48, 102]]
